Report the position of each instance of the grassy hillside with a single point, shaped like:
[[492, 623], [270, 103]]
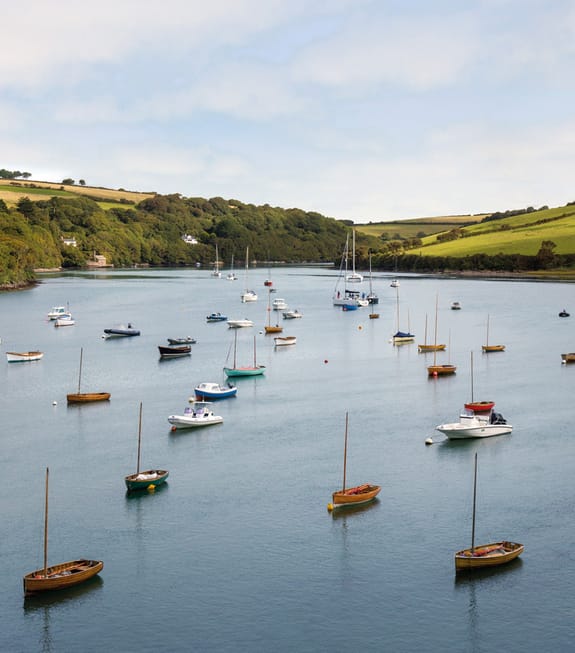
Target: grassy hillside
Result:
[[520, 234], [417, 227], [13, 190]]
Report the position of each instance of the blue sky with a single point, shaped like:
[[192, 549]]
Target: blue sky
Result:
[[360, 109]]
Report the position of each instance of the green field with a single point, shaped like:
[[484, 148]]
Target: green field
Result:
[[414, 228]]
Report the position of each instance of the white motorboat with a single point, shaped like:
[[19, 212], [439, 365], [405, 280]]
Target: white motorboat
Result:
[[213, 391], [200, 414], [474, 425], [279, 304], [238, 324], [292, 315], [65, 320], [56, 312]]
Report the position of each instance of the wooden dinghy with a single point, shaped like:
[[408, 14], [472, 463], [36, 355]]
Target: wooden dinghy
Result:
[[59, 576], [85, 397], [487, 348], [568, 358], [23, 356], [485, 555], [435, 369], [352, 496]]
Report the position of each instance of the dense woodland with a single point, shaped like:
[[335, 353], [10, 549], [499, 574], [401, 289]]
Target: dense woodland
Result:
[[150, 233]]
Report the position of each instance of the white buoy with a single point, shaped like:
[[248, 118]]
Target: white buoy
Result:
[[429, 441], [54, 403]]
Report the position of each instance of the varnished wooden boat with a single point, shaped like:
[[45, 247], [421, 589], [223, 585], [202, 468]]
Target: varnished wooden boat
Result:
[[441, 370], [425, 348], [23, 356], [174, 351], [352, 496], [85, 397], [479, 406], [59, 576], [487, 348], [485, 555], [568, 358]]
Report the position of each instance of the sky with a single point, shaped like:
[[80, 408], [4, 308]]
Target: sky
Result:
[[364, 110]]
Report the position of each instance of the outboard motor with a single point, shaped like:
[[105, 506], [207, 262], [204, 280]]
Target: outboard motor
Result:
[[497, 418]]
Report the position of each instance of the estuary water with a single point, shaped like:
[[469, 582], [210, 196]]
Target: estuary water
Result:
[[237, 552]]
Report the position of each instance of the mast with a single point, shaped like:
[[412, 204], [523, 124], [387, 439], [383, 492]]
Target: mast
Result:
[[425, 338], [487, 335], [353, 253], [370, 288], [80, 372], [46, 527], [235, 346], [345, 452], [474, 497], [435, 336], [139, 438], [255, 352], [472, 377]]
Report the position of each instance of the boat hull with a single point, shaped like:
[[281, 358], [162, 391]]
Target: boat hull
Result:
[[214, 391], [120, 333], [441, 370], [244, 371], [456, 431], [216, 317], [487, 349], [87, 397], [273, 329], [61, 576], [182, 341], [355, 496], [480, 406], [284, 342], [190, 422], [22, 357], [143, 480], [174, 351], [424, 348], [238, 324], [568, 358], [487, 555]]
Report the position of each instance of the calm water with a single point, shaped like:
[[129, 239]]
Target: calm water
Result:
[[238, 552]]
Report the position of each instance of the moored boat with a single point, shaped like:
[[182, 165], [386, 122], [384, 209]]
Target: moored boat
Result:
[[241, 323], [85, 397], [174, 351], [216, 317], [568, 358], [487, 348], [200, 414], [213, 391], [64, 320], [455, 306], [56, 311], [182, 341], [62, 575], [285, 341], [23, 356], [292, 315], [352, 496], [474, 425], [247, 370], [121, 332], [485, 555], [563, 313], [143, 480]]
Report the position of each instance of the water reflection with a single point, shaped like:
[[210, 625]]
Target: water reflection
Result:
[[342, 512]]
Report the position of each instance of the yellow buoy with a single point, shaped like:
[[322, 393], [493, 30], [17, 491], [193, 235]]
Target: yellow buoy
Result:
[[151, 488], [330, 506]]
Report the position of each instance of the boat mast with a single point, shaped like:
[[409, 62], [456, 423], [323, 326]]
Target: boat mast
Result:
[[80, 372], [370, 288], [487, 334], [435, 336], [345, 452], [46, 527], [235, 346], [472, 377], [474, 497], [255, 352], [139, 438]]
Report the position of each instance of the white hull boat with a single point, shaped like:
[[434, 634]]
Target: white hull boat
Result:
[[472, 425], [23, 356], [65, 320], [199, 415], [238, 324], [279, 304], [285, 341], [56, 312]]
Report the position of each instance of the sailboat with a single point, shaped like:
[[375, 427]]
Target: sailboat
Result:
[[248, 295], [353, 277], [435, 369], [349, 299], [401, 336], [59, 576], [269, 328], [485, 555], [85, 397], [248, 370], [231, 276], [487, 348], [372, 297], [352, 496], [216, 271], [425, 347], [395, 281], [151, 477], [477, 406]]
